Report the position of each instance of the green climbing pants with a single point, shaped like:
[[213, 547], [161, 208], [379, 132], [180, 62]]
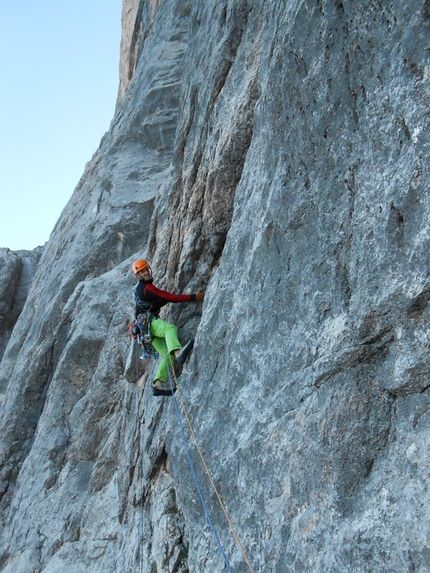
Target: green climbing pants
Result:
[[164, 335]]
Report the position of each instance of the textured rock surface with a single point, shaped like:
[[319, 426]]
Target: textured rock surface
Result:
[[275, 154], [15, 279], [129, 43]]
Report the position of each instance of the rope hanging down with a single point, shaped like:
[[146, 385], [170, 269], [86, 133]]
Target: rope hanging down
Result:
[[196, 481], [142, 500], [170, 370]]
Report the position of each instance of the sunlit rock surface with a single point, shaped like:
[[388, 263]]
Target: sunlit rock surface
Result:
[[274, 154]]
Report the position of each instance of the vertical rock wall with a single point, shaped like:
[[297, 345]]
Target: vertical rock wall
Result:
[[18, 268], [275, 154]]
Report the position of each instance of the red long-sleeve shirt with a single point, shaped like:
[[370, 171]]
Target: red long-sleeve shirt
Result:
[[147, 293]]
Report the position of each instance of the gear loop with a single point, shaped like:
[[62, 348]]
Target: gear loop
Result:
[[144, 336]]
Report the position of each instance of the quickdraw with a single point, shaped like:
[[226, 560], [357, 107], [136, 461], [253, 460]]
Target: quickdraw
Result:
[[142, 330]]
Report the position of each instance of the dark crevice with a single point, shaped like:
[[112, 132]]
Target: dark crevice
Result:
[[4, 557], [159, 463], [366, 352], [383, 336], [418, 304], [136, 45], [368, 468], [186, 132], [180, 565], [219, 188], [228, 52], [408, 390]]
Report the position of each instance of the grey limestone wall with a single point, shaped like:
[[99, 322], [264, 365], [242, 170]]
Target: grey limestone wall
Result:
[[17, 270], [274, 154]]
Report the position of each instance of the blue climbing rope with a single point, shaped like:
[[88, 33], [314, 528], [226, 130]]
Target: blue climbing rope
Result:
[[142, 499], [196, 481]]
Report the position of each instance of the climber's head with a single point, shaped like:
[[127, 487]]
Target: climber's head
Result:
[[141, 269]]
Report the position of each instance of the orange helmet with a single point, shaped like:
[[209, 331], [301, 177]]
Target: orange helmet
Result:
[[139, 265]]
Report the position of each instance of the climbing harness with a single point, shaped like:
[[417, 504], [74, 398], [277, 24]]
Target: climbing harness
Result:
[[142, 331], [142, 305], [175, 402]]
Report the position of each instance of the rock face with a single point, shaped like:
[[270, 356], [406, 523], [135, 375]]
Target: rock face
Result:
[[131, 36], [274, 154], [15, 280]]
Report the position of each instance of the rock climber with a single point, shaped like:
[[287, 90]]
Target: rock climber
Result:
[[150, 299]]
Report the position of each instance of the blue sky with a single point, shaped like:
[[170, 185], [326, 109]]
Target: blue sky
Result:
[[59, 62]]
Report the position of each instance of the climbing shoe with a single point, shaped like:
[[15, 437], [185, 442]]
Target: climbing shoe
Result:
[[185, 352], [162, 389]]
